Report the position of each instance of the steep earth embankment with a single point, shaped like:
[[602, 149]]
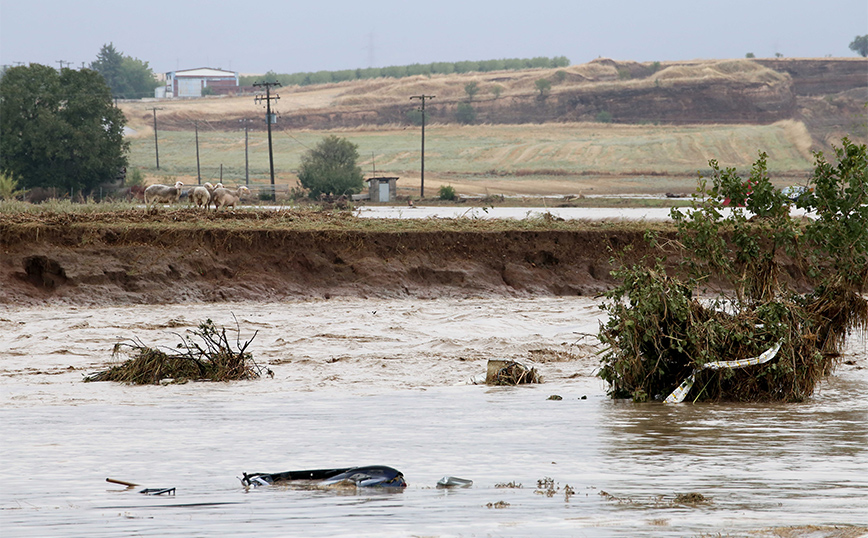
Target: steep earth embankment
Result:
[[123, 261]]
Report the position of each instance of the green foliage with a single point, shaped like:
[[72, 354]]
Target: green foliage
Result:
[[8, 187], [128, 78], [655, 66], [135, 178], [330, 168], [859, 45], [471, 88], [543, 86], [207, 90], [465, 113], [447, 192], [749, 55], [604, 116], [839, 197], [737, 232], [401, 71], [496, 90], [560, 75], [59, 129]]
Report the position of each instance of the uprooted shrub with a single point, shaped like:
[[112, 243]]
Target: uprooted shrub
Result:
[[207, 357], [658, 333]]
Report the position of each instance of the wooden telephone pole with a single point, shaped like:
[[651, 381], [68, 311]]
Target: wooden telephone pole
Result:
[[269, 119], [422, 98]]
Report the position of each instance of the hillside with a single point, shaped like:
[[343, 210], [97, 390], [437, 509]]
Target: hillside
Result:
[[667, 120], [828, 95]]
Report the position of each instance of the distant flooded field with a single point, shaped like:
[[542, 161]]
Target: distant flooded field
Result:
[[391, 382]]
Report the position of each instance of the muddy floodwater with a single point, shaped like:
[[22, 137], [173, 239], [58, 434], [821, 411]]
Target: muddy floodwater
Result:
[[391, 382]]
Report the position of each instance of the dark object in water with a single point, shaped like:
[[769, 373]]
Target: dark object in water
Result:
[[503, 372], [158, 491], [371, 476]]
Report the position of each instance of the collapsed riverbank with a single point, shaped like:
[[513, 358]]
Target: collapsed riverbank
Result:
[[184, 255]]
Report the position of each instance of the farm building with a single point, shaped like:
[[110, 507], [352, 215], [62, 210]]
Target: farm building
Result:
[[191, 82]]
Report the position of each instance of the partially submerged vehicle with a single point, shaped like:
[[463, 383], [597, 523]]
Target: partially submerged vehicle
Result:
[[371, 476]]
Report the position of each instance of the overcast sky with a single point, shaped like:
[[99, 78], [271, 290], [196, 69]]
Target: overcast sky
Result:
[[290, 36]]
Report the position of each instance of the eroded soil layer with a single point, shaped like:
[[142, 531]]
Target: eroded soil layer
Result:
[[122, 264]]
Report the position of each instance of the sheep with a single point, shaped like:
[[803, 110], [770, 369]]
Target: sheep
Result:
[[223, 197], [201, 196], [163, 193]]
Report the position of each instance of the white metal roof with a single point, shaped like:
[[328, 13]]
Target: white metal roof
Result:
[[203, 72]]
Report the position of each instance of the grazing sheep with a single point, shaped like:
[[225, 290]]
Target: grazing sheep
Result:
[[201, 196], [223, 197], [163, 194]]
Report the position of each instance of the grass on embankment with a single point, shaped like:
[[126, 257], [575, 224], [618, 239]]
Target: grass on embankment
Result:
[[124, 215]]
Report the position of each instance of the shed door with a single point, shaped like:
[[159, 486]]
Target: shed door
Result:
[[384, 191], [189, 87]]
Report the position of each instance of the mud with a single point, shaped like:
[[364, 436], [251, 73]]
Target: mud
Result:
[[123, 262]]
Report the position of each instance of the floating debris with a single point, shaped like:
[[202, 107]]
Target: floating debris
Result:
[[691, 498], [454, 482], [371, 476], [502, 372], [210, 358]]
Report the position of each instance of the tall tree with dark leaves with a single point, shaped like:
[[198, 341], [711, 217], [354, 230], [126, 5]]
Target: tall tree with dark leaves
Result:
[[59, 129], [128, 78]]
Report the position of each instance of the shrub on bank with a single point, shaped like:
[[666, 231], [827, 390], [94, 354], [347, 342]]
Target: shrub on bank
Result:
[[659, 334]]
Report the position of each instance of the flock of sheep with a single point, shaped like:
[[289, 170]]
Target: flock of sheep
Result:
[[202, 196]]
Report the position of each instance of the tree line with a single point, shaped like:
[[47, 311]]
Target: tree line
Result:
[[401, 71]]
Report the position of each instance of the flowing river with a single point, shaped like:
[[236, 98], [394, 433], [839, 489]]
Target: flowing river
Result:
[[391, 382]]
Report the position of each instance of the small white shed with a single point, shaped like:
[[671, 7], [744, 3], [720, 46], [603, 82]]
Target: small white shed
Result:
[[382, 189]]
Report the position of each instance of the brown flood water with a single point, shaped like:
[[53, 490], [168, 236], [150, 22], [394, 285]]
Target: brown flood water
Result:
[[390, 382]]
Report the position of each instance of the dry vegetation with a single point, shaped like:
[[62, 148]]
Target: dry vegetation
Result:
[[518, 155]]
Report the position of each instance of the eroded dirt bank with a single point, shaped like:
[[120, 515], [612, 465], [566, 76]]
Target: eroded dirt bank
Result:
[[184, 255], [122, 265]]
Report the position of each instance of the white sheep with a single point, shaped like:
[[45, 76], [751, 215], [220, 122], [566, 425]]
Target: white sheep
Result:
[[163, 193], [201, 196], [223, 197]]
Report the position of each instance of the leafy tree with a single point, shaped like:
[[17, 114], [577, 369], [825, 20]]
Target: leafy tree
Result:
[[447, 192], [750, 55], [59, 129], [660, 335], [560, 75], [497, 89], [465, 113], [472, 88], [330, 168], [543, 86], [859, 45], [128, 78]]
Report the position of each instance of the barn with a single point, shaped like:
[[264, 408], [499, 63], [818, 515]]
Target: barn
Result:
[[191, 82]]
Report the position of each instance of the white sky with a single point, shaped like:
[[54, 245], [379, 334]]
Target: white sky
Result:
[[288, 36]]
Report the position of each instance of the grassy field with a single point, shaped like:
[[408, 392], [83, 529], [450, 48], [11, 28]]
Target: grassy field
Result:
[[578, 158]]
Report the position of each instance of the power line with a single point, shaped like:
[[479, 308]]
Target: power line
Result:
[[269, 119], [422, 98]]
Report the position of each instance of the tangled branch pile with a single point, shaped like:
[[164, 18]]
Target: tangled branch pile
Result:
[[659, 334], [208, 358]]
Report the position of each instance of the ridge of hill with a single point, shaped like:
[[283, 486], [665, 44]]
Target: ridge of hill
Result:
[[828, 94]]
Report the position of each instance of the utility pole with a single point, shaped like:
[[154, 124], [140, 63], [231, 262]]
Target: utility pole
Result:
[[422, 98], [198, 169], [269, 119], [156, 142], [246, 159], [61, 62]]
